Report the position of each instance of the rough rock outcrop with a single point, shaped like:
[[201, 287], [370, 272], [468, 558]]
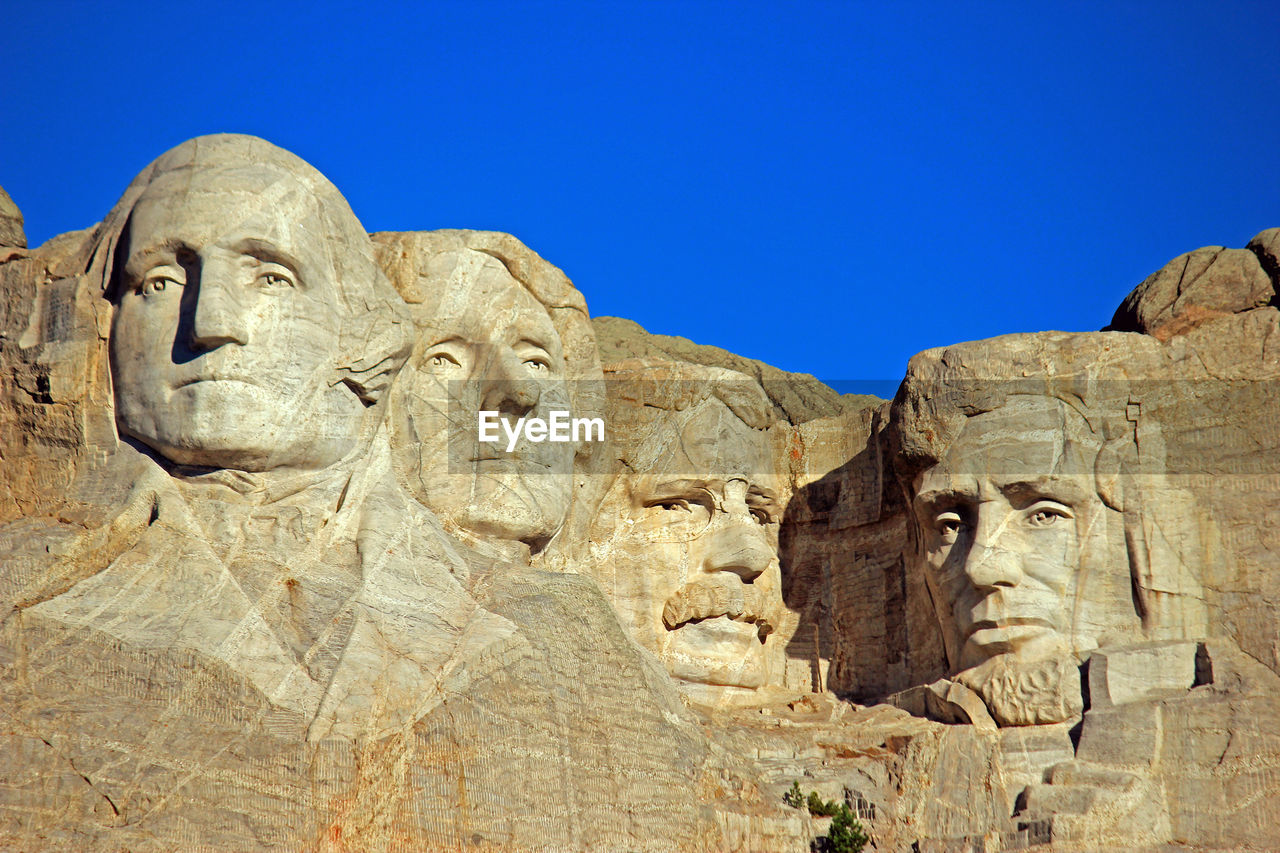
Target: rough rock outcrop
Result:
[[11, 233], [1198, 286], [798, 397]]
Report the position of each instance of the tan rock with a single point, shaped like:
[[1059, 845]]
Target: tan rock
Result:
[[1193, 288], [304, 604], [11, 233], [797, 397], [1140, 673], [242, 630]]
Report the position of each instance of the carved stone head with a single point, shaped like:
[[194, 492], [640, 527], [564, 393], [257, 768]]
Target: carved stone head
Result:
[[251, 327], [1038, 502], [1004, 517], [685, 541], [498, 330]]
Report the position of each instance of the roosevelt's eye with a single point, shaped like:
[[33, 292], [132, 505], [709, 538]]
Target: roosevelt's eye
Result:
[[1047, 514], [675, 518], [761, 515]]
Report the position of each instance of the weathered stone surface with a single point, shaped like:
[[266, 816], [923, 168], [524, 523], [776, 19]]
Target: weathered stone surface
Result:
[[1193, 288], [1266, 246], [865, 628], [797, 397], [241, 629], [11, 233], [1139, 673]]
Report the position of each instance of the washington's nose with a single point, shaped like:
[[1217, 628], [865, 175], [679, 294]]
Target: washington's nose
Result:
[[218, 317], [505, 391], [738, 546]]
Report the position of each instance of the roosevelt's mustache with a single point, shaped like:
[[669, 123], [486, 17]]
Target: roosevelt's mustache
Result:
[[722, 594]]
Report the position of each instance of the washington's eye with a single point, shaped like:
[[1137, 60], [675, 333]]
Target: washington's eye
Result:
[[1047, 515], [537, 365], [276, 277]]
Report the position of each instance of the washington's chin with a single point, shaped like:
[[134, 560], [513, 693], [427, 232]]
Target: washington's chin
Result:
[[241, 448], [719, 652]]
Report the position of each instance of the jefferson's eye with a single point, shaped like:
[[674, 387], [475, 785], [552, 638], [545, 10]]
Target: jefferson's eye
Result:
[[443, 361], [157, 282], [1047, 515]]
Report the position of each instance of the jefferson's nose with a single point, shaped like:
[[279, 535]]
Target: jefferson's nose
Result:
[[219, 316], [505, 390]]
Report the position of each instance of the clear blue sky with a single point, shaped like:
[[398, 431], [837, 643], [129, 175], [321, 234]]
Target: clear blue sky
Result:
[[829, 187]]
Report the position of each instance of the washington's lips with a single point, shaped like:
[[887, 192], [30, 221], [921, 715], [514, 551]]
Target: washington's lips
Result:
[[198, 379], [712, 598]]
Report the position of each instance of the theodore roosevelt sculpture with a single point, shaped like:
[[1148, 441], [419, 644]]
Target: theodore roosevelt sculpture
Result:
[[684, 541]]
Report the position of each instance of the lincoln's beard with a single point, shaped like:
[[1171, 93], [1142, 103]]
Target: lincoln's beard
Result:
[[1027, 693]]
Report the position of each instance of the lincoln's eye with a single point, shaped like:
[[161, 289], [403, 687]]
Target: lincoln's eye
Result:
[[677, 504], [1047, 516]]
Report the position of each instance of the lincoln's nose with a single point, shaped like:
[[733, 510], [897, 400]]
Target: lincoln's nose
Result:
[[989, 568]]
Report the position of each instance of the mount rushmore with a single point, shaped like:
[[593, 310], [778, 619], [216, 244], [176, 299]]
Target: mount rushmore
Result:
[[264, 586]]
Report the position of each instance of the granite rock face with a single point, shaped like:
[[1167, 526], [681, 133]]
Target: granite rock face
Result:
[[1198, 286], [797, 397], [267, 583], [11, 233]]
